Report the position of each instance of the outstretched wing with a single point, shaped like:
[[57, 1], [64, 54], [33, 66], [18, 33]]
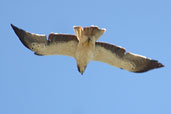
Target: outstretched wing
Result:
[[117, 56], [57, 44]]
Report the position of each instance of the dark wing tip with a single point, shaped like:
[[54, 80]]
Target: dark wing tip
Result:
[[20, 33], [151, 64], [15, 29], [12, 25]]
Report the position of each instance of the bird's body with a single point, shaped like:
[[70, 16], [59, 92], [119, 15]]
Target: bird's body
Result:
[[84, 55], [84, 48]]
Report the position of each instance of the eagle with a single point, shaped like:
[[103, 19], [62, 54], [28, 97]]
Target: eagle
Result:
[[84, 47]]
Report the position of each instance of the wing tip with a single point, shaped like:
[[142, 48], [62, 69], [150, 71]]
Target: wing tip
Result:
[[20, 33], [12, 25], [14, 28], [152, 64]]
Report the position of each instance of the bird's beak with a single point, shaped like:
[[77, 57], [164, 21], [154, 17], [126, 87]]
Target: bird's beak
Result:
[[82, 73]]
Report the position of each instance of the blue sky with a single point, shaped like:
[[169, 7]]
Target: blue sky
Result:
[[31, 84]]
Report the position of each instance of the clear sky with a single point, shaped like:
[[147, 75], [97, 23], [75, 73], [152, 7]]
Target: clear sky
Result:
[[31, 84]]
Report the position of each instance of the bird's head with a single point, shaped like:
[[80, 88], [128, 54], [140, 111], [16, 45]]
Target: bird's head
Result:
[[81, 69]]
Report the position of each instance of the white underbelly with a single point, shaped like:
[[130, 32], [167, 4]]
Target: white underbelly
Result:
[[84, 54]]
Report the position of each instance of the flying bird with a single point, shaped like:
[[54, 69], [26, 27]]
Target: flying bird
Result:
[[84, 48]]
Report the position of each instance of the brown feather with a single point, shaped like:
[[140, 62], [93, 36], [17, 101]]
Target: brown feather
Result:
[[62, 44], [27, 38], [149, 65], [53, 37], [118, 57], [119, 51]]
